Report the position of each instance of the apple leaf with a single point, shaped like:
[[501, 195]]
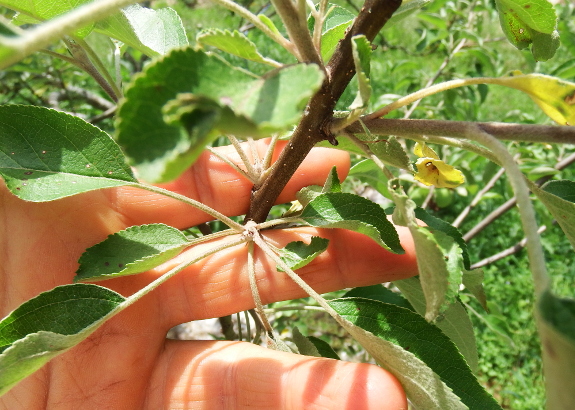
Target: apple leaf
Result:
[[47, 154], [234, 43], [49, 324], [133, 250], [352, 212], [557, 196], [298, 254], [434, 377], [201, 96], [153, 32]]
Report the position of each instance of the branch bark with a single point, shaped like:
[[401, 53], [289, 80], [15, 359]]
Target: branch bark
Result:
[[315, 124], [459, 129]]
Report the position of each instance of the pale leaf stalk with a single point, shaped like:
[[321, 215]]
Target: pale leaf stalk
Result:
[[426, 92], [254, 288], [259, 241], [279, 221], [251, 171], [230, 163], [535, 254], [95, 59], [46, 33], [212, 236], [252, 18], [267, 161], [172, 272], [196, 204], [369, 154]]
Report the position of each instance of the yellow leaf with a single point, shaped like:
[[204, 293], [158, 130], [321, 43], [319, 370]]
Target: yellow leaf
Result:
[[431, 171], [554, 96], [422, 150]]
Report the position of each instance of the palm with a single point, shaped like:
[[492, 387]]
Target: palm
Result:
[[127, 363]]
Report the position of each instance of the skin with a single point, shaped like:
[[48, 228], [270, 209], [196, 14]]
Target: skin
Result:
[[128, 363]]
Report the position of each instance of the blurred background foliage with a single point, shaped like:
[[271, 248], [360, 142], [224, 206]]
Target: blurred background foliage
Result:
[[445, 40]]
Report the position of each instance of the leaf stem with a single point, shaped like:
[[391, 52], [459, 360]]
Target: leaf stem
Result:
[[252, 18], [210, 211], [516, 178], [254, 288], [147, 289]]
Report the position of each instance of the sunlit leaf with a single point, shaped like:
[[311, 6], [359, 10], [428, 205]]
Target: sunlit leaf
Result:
[[47, 154], [49, 324], [333, 30], [352, 212], [41, 10], [153, 32], [554, 96], [234, 43], [202, 96], [133, 250]]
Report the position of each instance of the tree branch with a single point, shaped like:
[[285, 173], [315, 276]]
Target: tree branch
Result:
[[459, 129], [314, 126]]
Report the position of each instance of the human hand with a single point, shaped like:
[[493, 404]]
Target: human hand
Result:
[[128, 363]]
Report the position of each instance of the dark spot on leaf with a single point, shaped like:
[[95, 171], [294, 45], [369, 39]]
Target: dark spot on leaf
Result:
[[570, 98], [407, 348], [527, 6], [120, 265], [106, 263], [18, 188], [28, 172]]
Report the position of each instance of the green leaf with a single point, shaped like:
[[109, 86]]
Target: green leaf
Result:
[[361, 52], [332, 183], [407, 8], [352, 212], [439, 258], [234, 43], [323, 348], [215, 98], [563, 210], [40, 10], [298, 254], [454, 322], [389, 150], [437, 224], [526, 22], [432, 371], [557, 333], [380, 293], [473, 282], [536, 14], [334, 28], [47, 154], [134, 250], [49, 324], [304, 345], [368, 172], [153, 32]]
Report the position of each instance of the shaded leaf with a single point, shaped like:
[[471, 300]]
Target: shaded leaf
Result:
[[298, 254], [368, 172], [562, 210], [454, 322], [153, 32], [333, 30], [352, 212], [557, 332], [407, 8], [304, 345], [332, 183], [49, 324], [215, 98], [323, 348], [439, 258], [133, 250], [473, 281], [361, 52], [47, 154], [380, 293], [437, 224], [434, 378]]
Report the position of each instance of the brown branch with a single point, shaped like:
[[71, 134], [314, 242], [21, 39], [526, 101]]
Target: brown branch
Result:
[[315, 124], [459, 129]]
